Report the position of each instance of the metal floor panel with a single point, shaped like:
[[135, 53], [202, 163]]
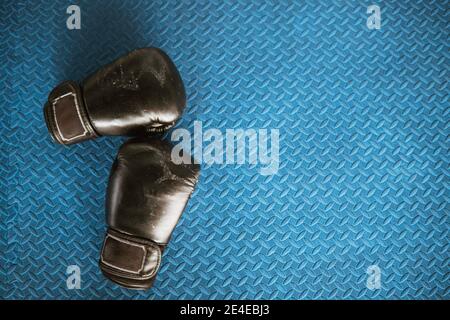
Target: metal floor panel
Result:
[[363, 180]]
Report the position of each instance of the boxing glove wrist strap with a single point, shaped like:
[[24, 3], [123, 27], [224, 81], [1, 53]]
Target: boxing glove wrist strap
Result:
[[128, 260], [66, 116]]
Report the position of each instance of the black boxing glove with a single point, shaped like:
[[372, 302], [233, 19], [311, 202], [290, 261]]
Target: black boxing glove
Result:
[[146, 196], [139, 93]]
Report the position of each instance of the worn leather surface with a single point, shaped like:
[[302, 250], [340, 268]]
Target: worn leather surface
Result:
[[130, 261], [66, 116], [146, 195], [139, 93], [363, 119]]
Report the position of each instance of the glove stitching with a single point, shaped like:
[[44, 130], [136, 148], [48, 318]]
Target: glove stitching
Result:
[[127, 273], [86, 131]]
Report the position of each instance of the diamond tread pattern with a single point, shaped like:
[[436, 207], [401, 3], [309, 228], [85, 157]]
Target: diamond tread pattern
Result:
[[364, 152]]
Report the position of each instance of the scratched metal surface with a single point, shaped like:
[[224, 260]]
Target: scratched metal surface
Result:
[[364, 152]]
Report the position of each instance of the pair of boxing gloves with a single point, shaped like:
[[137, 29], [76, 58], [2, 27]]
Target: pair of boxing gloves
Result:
[[137, 95]]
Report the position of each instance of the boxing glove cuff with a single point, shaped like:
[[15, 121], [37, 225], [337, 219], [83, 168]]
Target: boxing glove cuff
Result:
[[129, 261], [65, 115]]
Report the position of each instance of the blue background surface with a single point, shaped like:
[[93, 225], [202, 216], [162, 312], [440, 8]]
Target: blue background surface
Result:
[[364, 153]]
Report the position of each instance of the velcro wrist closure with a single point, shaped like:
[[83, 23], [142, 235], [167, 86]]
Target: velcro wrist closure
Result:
[[66, 116], [129, 260]]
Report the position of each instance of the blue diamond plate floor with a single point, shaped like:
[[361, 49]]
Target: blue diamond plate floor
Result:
[[364, 154]]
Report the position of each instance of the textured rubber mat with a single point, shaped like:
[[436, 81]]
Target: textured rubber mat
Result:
[[363, 178]]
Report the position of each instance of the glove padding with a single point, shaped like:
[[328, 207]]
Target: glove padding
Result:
[[137, 94], [147, 194]]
